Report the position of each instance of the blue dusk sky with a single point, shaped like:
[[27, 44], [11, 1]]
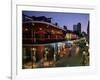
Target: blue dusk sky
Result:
[[67, 19]]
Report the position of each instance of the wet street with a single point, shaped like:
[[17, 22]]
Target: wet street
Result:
[[73, 57], [69, 61]]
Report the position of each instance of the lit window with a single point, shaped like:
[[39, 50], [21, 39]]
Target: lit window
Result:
[[33, 24], [26, 29], [40, 28]]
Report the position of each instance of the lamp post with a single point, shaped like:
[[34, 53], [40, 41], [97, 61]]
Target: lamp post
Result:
[[34, 38], [84, 61], [54, 57], [33, 33], [46, 53], [55, 52], [33, 56], [24, 57]]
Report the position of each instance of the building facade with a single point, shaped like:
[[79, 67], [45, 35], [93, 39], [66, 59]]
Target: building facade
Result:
[[43, 41], [77, 28]]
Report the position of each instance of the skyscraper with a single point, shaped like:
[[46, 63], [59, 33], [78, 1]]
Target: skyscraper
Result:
[[77, 28], [74, 27], [88, 32]]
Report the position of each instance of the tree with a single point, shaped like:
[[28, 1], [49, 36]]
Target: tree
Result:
[[84, 34]]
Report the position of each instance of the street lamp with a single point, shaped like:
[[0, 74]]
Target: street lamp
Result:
[[46, 53], [33, 56], [84, 61], [33, 33], [87, 44], [54, 57]]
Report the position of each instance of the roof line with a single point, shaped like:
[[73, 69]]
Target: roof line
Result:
[[44, 23]]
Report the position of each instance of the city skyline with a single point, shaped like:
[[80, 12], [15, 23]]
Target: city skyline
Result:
[[63, 19]]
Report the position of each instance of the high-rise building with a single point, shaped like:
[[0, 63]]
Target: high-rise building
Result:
[[88, 31], [74, 28], [77, 28]]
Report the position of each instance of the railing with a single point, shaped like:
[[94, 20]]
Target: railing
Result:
[[41, 40]]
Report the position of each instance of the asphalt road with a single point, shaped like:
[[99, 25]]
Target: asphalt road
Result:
[[66, 61]]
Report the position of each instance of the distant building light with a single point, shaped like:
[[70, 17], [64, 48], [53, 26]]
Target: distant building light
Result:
[[87, 44], [26, 29], [34, 49], [68, 36], [84, 53], [40, 28], [52, 31], [33, 24]]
